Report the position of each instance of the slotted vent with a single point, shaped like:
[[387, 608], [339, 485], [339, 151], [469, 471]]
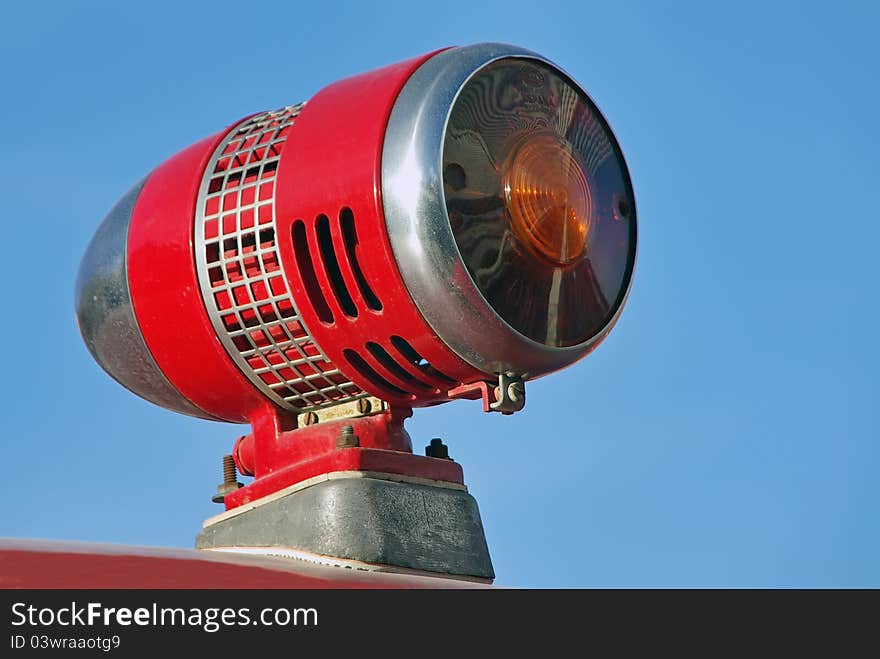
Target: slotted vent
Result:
[[370, 375], [307, 273], [338, 260], [438, 379], [381, 355], [349, 237], [331, 266], [242, 280]]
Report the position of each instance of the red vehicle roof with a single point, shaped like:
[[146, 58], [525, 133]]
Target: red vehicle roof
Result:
[[55, 564]]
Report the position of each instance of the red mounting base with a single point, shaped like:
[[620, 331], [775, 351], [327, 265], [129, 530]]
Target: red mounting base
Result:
[[279, 455]]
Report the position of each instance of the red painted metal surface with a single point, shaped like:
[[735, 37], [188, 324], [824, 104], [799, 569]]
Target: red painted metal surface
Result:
[[331, 174], [268, 448], [339, 269], [45, 565], [165, 289], [279, 458], [328, 180], [257, 314]]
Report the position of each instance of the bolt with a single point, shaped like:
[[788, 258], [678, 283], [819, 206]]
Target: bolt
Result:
[[311, 418], [364, 406], [229, 475], [437, 449], [347, 439], [230, 483]]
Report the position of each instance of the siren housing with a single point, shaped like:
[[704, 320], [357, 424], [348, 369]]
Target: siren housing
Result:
[[451, 226], [418, 233]]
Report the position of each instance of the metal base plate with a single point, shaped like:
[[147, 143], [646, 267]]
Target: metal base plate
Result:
[[384, 523]]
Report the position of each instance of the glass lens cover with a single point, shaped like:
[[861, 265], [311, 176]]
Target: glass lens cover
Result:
[[539, 200]]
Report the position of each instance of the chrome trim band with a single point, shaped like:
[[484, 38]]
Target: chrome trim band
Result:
[[421, 236]]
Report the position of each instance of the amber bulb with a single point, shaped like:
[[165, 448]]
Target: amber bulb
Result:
[[548, 198]]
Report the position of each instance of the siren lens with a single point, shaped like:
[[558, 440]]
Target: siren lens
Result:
[[547, 198], [539, 201]]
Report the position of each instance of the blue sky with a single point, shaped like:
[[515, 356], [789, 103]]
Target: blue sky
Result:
[[726, 434]]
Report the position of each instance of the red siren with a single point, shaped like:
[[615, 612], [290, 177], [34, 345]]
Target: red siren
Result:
[[448, 227]]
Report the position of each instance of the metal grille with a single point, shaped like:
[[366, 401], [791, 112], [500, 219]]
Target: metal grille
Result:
[[242, 279]]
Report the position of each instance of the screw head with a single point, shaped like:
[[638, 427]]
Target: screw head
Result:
[[311, 418]]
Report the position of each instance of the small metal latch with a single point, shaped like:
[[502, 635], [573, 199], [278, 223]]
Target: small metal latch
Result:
[[510, 394], [507, 397]]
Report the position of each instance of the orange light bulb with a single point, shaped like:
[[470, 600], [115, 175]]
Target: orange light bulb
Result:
[[548, 198]]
